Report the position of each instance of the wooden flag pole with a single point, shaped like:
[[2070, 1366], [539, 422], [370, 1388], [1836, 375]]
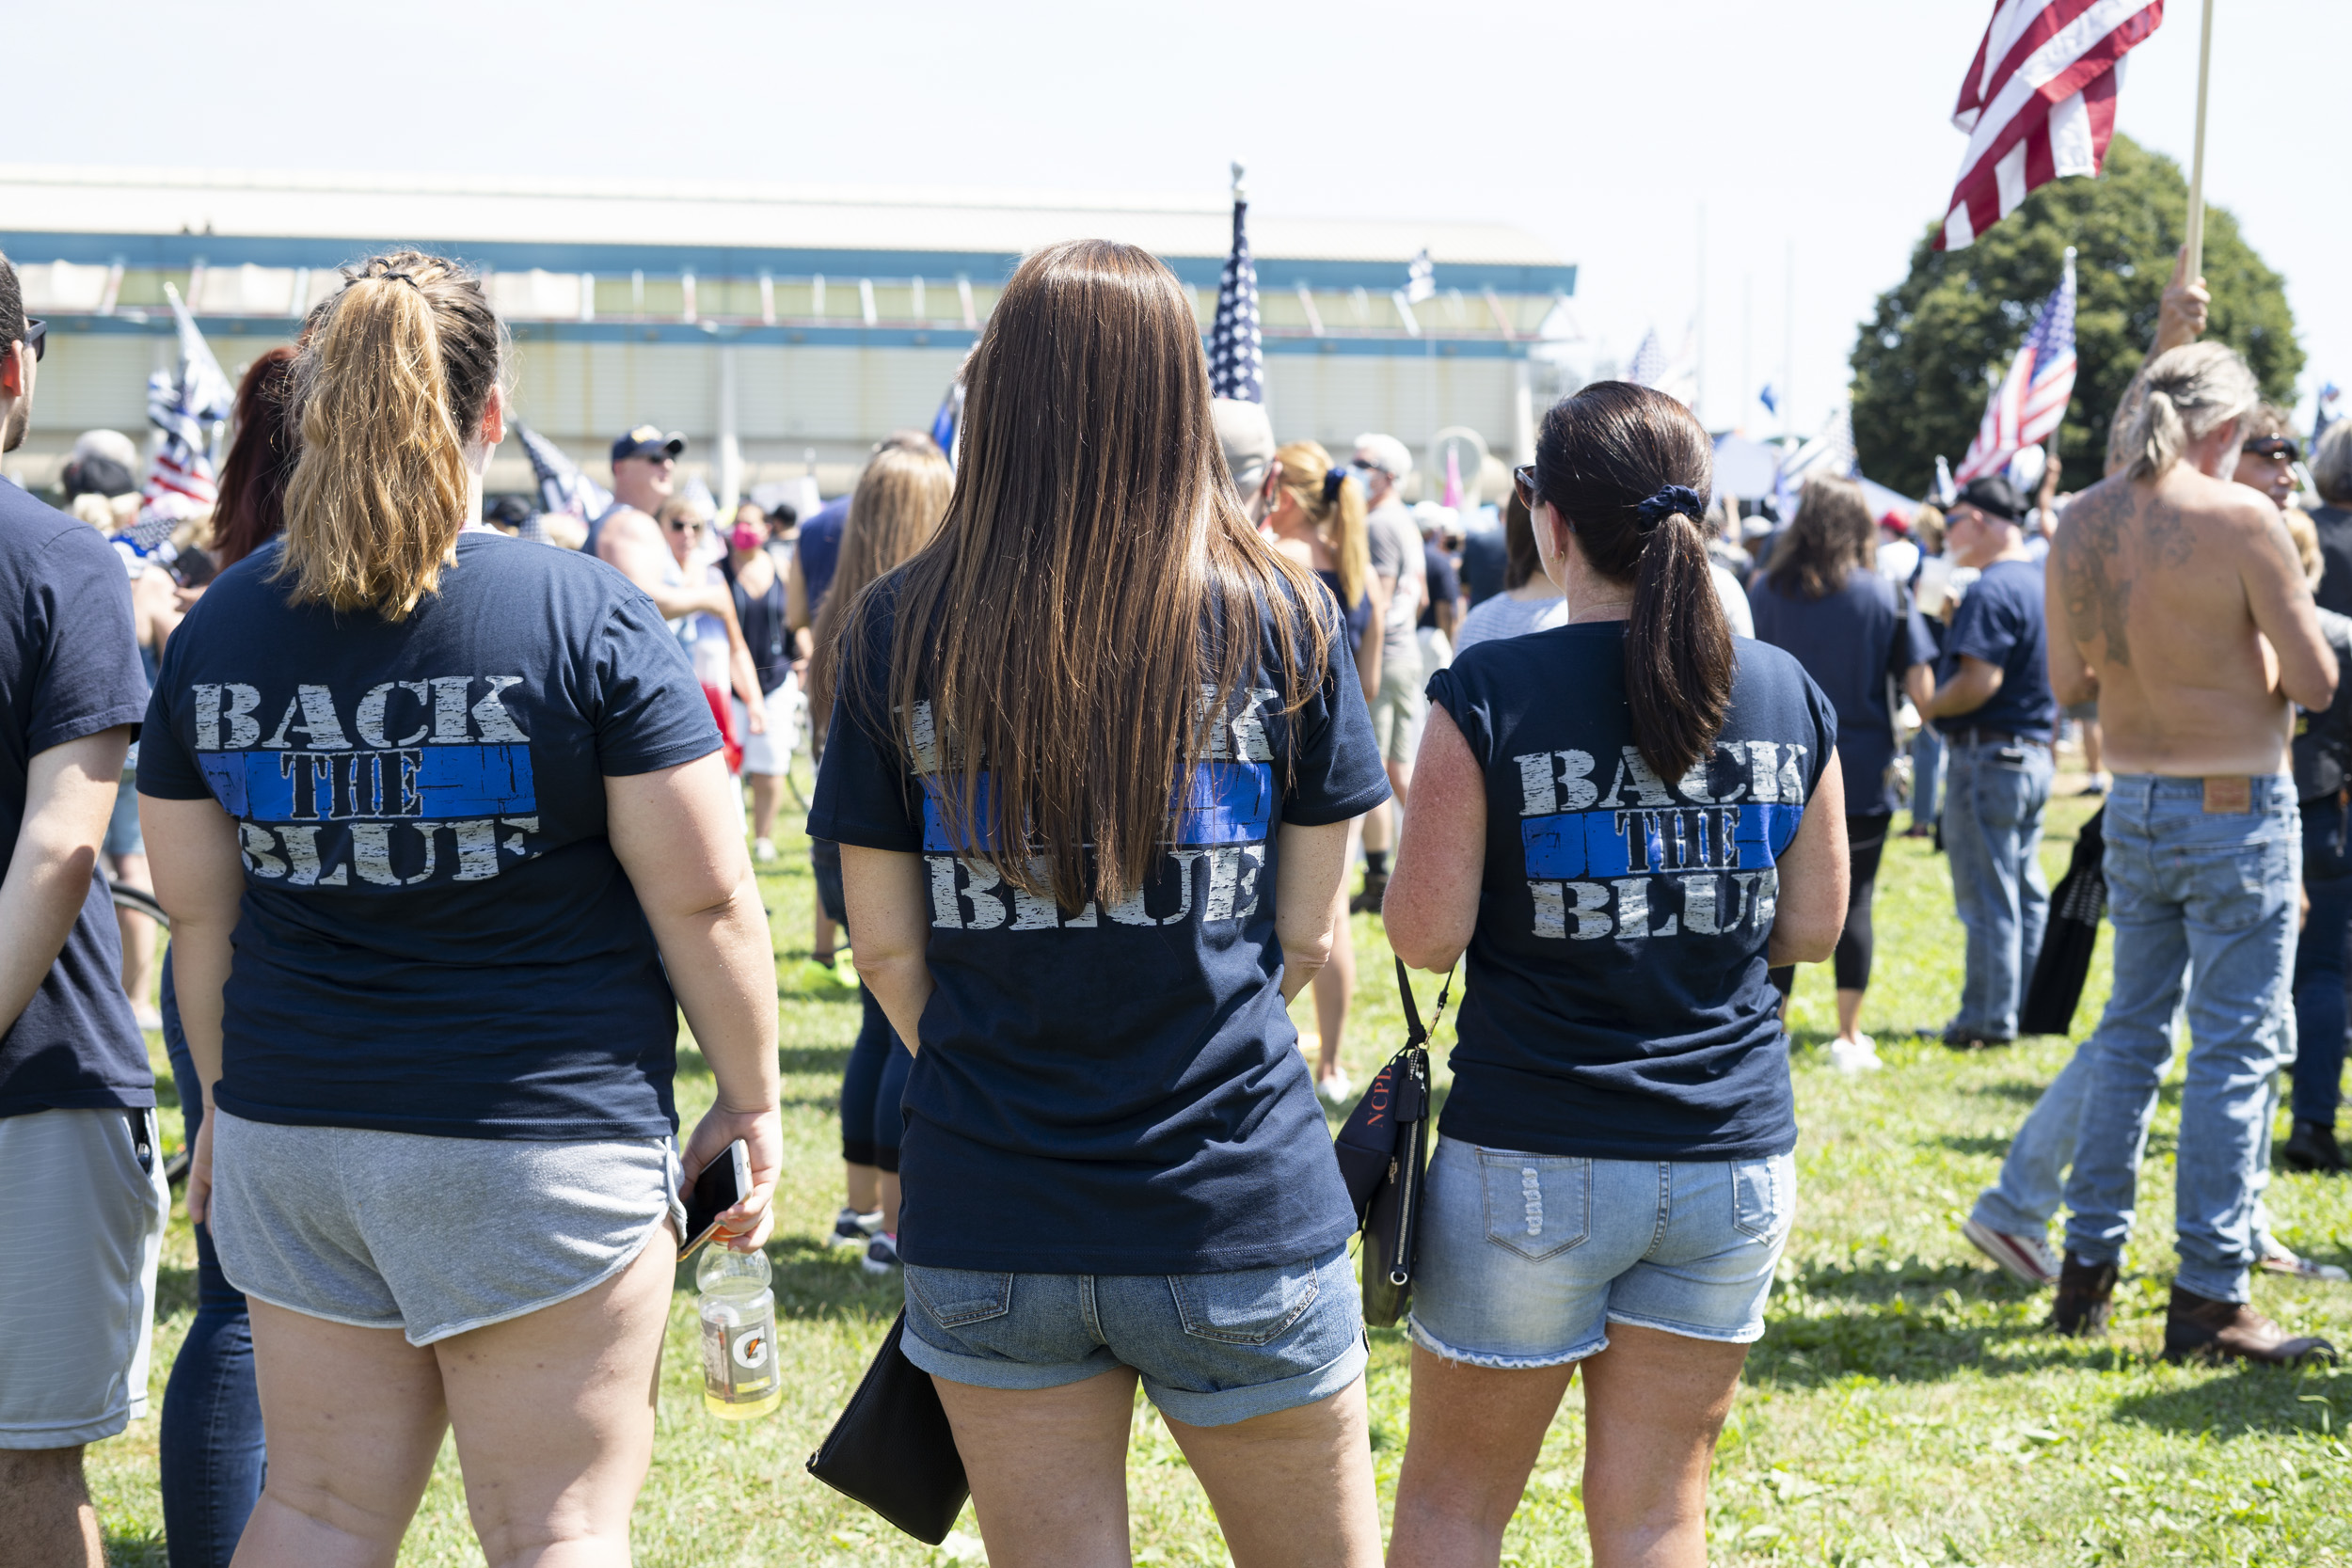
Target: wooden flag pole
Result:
[[2197, 165]]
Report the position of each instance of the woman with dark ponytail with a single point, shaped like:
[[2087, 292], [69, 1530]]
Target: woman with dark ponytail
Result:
[[1627, 821]]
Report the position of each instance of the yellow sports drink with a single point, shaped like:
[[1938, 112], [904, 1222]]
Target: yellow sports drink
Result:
[[738, 1314]]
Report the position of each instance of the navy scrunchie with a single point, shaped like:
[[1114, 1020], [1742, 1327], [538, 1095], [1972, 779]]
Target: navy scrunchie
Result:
[[1332, 480], [1665, 503]]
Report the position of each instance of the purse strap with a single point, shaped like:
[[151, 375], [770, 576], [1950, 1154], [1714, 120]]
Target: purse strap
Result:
[[1415, 1034]]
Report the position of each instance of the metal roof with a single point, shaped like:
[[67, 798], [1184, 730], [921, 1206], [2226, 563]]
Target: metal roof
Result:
[[168, 218]]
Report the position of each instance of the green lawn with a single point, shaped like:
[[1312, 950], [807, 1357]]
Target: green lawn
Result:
[[1904, 1408]]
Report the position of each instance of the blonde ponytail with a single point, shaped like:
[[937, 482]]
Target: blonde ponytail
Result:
[[1337, 510], [389, 390]]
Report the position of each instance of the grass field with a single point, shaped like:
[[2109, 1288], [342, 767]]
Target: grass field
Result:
[[1904, 1408]]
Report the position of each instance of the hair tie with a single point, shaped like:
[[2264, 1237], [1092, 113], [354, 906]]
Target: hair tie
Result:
[[396, 277], [1332, 480], [1668, 501]]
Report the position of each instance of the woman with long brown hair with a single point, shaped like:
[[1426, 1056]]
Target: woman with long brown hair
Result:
[[893, 513], [458, 800], [1090, 766], [1823, 601], [1318, 519], [1625, 821]]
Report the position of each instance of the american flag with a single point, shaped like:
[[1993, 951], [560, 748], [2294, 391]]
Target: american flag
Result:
[[1649, 361], [1236, 357], [562, 487], [184, 404], [1830, 454], [2039, 103], [2031, 399]]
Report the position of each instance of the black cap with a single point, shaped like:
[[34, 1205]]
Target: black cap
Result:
[[645, 441], [1994, 494]]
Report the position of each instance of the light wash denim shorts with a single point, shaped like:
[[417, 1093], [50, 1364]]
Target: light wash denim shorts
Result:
[[1525, 1260], [1212, 1348]]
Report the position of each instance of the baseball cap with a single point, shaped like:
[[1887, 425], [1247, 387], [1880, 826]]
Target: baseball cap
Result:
[[1994, 494], [1248, 437], [645, 441]]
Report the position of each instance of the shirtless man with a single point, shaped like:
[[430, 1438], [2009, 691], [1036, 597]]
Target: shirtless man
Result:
[[628, 538], [2176, 598]]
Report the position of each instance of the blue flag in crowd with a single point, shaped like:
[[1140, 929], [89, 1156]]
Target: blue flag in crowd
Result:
[[1649, 361], [950, 415], [1768, 398], [562, 487], [2324, 413], [1236, 355]]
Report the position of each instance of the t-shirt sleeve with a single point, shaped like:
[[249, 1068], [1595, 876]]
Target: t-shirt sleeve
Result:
[[862, 782], [646, 704], [1986, 624], [1449, 691], [1823, 715], [1913, 645], [89, 677], [168, 769], [1336, 771]]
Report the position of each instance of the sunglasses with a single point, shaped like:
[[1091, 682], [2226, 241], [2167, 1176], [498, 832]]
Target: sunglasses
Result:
[[1523, 481], [2279, 446], [36, 336], [681, 525]]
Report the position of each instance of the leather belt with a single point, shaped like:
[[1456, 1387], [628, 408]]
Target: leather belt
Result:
[[1991, 738]]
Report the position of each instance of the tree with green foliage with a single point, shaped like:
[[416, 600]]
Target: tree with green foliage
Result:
[[1929, 358]]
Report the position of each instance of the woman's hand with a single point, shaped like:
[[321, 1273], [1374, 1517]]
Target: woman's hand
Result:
[[747, 1226], [200, 1174]]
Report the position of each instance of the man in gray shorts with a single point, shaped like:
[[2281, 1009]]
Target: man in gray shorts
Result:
[[1399, 588], [82, 1193]]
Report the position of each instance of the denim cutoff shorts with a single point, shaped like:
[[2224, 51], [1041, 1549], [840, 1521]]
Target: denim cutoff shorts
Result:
[[1212, 1349], [1525, 1260]]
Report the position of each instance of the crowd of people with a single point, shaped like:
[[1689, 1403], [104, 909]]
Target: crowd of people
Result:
[[1106, 703]]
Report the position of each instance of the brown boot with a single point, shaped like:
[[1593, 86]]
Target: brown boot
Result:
[[2200, 1327], [2086, 1294]]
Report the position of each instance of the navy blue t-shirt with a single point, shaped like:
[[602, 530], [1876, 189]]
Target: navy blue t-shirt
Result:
[[2000, 622], [435, 936], [1850, 643], [1117, 1090], [818, 546], [69, 668], [1618, 1002]]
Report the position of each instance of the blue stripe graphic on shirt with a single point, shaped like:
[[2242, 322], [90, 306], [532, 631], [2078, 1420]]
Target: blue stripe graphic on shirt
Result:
[[433, 783], [1222, 802], [1569, 846]]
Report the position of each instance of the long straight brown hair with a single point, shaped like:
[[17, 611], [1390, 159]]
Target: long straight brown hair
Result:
[[1093, 601]]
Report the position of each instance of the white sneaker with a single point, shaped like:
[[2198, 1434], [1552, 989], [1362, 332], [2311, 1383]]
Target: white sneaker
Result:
[[1335, 1090], [1855, 1055], [881, 1253], [851, 1228], [2026, 1259], [763, 849]]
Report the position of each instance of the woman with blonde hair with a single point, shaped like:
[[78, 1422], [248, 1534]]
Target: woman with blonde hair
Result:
[[457, 797], [1090, 766], [1318, 519], [893, 513]]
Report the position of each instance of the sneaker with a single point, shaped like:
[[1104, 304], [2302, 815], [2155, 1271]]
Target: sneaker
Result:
[[881, 1253], [1860, 1055], [763, 849], [146, 1018], [2098, 785], [2027, 1259], [2280, 1260], [2086, 1296], [1368, 901], [2314, 1149], [2199, 1328], [845, 969], [851, 1228], [1958, 1039], [1335, 1090]]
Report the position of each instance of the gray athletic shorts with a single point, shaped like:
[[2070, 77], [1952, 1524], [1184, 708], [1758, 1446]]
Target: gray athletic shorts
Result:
[[431, 1236], [80, 1232]]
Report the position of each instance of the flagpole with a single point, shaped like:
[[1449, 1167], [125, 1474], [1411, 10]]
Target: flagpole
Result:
[[2197, 164]]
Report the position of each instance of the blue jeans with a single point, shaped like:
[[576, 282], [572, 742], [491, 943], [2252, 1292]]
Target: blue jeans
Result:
[[2033, 1172], [2319, 962], [211, 1434], [2216, 890], [1993, 803], [1927, 776]]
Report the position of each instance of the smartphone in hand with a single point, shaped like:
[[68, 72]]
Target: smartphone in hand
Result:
[[717, 1188]]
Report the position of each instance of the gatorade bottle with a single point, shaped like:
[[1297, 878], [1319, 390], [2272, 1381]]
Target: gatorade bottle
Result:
[[738, 1314]]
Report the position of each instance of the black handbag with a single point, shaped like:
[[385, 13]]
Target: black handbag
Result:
[[893, 1451], [1383, 1152]]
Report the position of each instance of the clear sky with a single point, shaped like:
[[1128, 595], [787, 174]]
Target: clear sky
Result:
[[1606, 128]]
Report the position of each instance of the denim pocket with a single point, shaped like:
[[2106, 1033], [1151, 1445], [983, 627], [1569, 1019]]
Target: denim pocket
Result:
[[955, 1296], [1243, 1306], [1537, 1205], [2234, 888], [1762, 1191]]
